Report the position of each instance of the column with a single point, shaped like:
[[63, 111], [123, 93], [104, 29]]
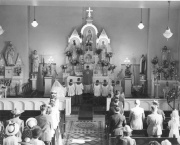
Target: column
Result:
[[48, 85]]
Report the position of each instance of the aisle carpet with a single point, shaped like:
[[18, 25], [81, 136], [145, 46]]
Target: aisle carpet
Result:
[[86, 112], [84, 133]]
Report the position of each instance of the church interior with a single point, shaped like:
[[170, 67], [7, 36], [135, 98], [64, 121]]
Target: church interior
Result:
[[86, 53]]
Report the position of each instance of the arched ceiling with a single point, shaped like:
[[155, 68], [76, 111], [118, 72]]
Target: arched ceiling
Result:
[[94, 3]]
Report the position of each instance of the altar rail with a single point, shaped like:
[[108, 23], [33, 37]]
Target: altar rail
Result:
[[32, 103], [145, 103]]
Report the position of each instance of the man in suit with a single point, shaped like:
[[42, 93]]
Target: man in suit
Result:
[[45, 122], [116, 122]]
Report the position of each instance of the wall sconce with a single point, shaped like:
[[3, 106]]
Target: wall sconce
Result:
[[34, 23]]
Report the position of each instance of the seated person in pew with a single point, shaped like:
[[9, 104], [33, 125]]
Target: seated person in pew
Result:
[[116, 123], [126, 138], [136, 116], [173, 124], [166, 142], [159, 111], [154, 122], [154, 143]]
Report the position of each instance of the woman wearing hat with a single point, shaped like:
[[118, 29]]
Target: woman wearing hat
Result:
[[126, 139], [30, 124], [15, 119], [11, 130]]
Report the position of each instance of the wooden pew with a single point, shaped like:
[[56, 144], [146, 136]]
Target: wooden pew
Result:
[[146, 140]]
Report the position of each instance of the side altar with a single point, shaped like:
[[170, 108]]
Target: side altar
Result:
[[164, 76], [88, 49], [11, 71]]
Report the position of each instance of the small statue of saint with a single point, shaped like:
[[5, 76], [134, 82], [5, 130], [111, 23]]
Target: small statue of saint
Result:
[[104, 51], [9, 55], [74, 54], [35, 61], [142, 64]]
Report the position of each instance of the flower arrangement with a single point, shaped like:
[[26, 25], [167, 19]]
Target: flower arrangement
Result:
[[68, 54], [104, 63], [154, 61], [171, 95], [173, 63], [165, 64], [98, 51], [74, 62], [64, 67], [79, 51], [18, 70], [109, 55], [111, 67]]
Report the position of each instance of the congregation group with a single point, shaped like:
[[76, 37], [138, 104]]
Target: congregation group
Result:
[[39, 130], [121, 128]]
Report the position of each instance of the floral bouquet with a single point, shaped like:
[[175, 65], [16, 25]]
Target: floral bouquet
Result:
[[171, 71], [104, 63], [109, 55], [64, 67], [154, 61], [173, 63], [171, 95], [18, 70], [98, 51], [68, 54], [79, 51], [74, 62], [112, 67], [165, 64]]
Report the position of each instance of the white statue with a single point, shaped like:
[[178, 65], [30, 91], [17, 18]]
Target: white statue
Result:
[[35, 61], [104, 51], [9, 55]]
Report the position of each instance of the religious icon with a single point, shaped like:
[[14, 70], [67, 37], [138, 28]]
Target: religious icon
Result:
[[35, 62], [9, 55]]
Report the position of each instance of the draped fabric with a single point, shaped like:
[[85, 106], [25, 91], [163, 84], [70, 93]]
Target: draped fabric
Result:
[[57, 87]]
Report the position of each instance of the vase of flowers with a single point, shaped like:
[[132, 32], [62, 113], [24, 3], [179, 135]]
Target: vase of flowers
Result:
[[109, 55], [68, 54], [154, 61], [64, 67]]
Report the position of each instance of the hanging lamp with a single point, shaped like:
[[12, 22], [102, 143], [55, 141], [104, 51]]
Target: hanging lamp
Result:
[[168, 34], [34, 23], [141, 25]]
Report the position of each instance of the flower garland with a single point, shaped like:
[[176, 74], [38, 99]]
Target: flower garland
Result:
[[154, 61]]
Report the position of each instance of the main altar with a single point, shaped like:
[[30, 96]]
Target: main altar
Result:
[[86, 48]]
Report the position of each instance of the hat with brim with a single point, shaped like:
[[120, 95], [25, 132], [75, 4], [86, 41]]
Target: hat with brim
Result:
[[116, 109], [155, 103], [16, 111], [31, 119], [12, 129], [127, 128], [166, 142]]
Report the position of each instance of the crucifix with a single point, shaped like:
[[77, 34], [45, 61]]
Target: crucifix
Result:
[[89, 12]]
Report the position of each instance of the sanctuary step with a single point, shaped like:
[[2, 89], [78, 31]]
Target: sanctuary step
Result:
[[86, 112], [146, 140]]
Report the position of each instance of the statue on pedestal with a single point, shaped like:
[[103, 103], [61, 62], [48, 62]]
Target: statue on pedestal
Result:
[[143, 65], [35, 62], [9, 55]]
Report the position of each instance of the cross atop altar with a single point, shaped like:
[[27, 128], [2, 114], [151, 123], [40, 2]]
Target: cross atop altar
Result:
[[89, 12]]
